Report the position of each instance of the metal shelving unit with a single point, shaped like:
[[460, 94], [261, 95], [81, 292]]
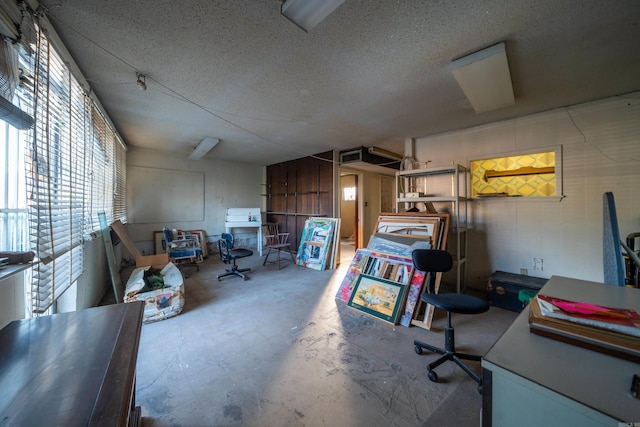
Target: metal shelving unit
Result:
[[429, 185]]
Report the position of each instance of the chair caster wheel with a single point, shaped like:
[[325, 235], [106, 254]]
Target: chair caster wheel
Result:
[[480, 388], [433, 376], [418, 349]]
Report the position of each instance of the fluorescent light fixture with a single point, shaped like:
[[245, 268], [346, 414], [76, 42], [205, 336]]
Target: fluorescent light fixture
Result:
[[306, 14], [203, 148], [484, 78]]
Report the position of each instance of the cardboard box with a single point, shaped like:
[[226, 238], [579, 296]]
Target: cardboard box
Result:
[[162, 303], [159, 304], [155, 261]]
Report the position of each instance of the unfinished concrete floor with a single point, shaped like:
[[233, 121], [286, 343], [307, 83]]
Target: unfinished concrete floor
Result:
[[280, 350]]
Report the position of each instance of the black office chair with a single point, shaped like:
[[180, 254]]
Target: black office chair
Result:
[[228, 254], [434, 261]]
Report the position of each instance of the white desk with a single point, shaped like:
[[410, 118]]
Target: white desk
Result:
[[239, 218], [531, 380]]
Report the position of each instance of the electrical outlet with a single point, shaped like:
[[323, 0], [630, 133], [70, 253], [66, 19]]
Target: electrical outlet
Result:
[[534, 264], [524, 272]]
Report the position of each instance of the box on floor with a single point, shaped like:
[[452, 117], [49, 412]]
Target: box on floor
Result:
[[162, 303], [512, 291]]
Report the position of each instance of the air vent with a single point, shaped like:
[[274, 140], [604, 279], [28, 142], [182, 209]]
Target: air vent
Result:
[[363, 156]]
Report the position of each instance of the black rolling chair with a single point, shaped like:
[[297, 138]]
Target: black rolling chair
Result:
[[434, 261], [229, 254]]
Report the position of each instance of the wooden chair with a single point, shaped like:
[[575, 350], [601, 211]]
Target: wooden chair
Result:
[[276, 241]]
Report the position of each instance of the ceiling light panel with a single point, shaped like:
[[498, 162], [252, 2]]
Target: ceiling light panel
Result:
[[485, 79], [306, 14], [203, 148]]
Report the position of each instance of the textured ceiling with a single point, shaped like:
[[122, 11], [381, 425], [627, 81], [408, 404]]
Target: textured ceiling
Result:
[[373, 73]]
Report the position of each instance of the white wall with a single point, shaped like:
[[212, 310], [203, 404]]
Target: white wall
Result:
[[11, 299], [226, 185], [94, 282], [601, 152]]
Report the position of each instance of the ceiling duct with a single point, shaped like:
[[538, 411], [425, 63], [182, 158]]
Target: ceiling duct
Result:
[[371, 159]]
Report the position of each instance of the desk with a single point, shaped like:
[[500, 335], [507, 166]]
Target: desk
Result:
[[530, 380], [238, 218], [71, 369]]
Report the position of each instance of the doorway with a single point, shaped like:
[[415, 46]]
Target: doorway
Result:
[[348, 214]]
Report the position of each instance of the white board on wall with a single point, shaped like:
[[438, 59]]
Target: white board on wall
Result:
[[164, 195]]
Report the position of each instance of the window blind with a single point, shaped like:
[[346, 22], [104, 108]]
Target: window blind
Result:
[[106, 164], [75, 167], [55, 179], [120, 191]]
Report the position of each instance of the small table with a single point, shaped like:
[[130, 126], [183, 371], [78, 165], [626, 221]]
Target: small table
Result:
[[530, 380], [71, 369]]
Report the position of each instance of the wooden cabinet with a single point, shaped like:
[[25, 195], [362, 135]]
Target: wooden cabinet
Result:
[[297, 190]]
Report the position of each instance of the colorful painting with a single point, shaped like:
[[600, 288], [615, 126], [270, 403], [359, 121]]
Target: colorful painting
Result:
[[413, 296], [378, 297], [316, 242], [392, 267]]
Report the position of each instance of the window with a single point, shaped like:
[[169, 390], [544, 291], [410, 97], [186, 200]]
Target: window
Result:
[[523, 175], [14, 235], [48, 201], [349, 193]]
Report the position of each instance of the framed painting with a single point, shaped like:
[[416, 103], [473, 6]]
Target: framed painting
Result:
[[159, 243], [318, 243], [378, 297], [202, 239]]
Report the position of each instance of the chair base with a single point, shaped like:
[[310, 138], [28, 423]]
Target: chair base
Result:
[[448, 354], [277, 261], [234, 271]]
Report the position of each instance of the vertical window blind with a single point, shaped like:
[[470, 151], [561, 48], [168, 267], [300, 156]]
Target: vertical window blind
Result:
[[120, 184], [75, 166]]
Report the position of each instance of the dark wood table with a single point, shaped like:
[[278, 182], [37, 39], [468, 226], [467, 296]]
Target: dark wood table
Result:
[[71, 369]]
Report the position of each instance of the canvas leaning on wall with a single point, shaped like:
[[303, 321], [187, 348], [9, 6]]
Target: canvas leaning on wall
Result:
[[378, 297], [318, 243]]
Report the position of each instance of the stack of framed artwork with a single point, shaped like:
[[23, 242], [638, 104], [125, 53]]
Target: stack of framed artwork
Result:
[[160, 244], [319, 243], [381, 280]]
